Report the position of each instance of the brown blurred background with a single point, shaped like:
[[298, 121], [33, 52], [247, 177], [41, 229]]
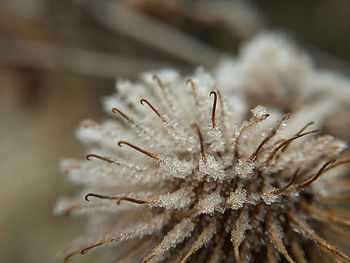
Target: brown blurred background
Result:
[[59, 58]]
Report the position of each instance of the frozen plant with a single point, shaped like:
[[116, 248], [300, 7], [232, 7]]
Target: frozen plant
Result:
[[273, 71], [188, 174]]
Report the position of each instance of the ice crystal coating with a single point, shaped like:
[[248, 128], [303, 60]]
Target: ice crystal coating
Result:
[[193, 181], [273, 71]]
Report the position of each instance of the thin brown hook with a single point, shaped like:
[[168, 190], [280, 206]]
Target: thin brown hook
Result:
[[214, 108], [153, 156], [203, 153], [315, 177], [117, 198], [116, 110], [154, 109], [284, 188], [100, 157]]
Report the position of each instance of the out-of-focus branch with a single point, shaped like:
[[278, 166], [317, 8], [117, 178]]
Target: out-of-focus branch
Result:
[[147, 30], [76, 60], [239, 16]]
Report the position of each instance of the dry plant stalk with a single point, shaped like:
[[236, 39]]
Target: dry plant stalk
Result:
[[195, 182]]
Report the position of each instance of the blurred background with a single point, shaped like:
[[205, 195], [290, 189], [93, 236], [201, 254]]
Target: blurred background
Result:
[[59, 58]]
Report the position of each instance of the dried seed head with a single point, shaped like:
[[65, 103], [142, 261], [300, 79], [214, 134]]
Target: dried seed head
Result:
[[213, 189]]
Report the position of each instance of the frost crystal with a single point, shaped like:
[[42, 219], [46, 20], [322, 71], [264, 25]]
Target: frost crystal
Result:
[[237, 198], [192, 180]]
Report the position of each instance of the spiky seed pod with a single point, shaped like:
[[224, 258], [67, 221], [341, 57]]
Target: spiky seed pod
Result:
[[272, 71], [192, 182]]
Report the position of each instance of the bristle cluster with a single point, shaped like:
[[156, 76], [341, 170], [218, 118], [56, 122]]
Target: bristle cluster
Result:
[[195, 184]]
